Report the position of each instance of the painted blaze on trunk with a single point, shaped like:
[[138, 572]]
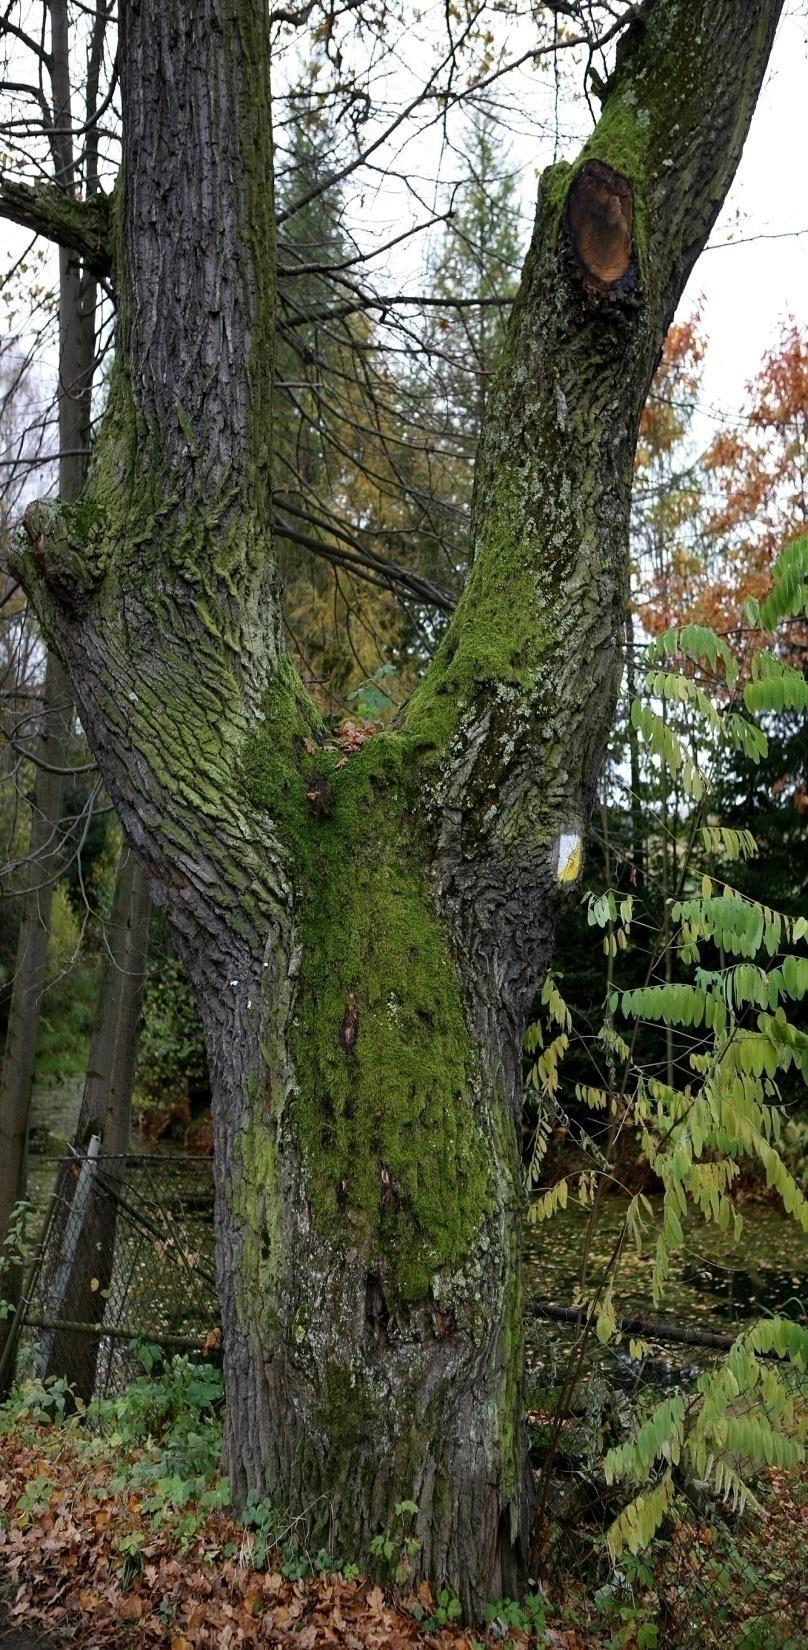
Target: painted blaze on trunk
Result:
[[365, 938]]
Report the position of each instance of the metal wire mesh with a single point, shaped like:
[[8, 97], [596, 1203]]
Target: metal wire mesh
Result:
[[127, 1257]]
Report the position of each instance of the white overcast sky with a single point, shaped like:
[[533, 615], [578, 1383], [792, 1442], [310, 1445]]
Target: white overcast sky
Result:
[[753, 286], [750, 287]]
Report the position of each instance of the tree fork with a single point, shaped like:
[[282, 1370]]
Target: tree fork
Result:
[[365, 968]]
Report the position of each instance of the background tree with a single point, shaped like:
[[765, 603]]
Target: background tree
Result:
[[57, 833], [479, 254], [76, 365], [341, 489], [106, 1112]]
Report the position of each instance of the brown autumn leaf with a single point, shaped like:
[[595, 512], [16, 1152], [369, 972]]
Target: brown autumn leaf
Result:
[[129, 1607], [253, 1598]]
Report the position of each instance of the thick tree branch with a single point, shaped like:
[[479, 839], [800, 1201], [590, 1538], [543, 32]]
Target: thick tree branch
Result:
[[519, 698], [82, 226]]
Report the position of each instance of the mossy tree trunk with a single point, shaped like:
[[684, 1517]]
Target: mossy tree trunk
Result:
[[366, 936]]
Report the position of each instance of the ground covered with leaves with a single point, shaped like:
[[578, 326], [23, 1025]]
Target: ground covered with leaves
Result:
[[115, 1529], [118, 1532]]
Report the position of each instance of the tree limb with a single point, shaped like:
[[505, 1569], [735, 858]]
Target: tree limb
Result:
[[374, 569], [83, 226], [519, 698]]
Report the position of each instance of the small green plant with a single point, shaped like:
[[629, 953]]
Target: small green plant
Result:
[[524, 1616], [35, 1402], [371, 699], [130, 1547], [447, 1607], [176, 1401], [35, 1499], [164, 1430], [260, 1518], [17, 1248], [166, 1426], [397, 1548], [628, 1604], [273, 1538]]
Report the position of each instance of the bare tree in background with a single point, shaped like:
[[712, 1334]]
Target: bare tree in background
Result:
[[71, 168], [107, 1112], [74, 153]]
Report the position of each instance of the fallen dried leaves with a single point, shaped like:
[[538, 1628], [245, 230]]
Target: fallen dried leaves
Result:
[[64, 1561], [82, 1562]]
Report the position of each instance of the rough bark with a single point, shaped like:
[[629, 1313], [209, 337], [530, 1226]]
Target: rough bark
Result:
[[365, 939]]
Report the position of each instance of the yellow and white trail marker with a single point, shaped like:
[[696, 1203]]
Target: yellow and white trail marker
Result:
[[569, 857]]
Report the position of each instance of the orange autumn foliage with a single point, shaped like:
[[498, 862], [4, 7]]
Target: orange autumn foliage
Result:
[[710, 527]]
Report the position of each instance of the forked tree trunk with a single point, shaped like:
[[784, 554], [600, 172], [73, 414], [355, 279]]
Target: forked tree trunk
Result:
[[365, 939]]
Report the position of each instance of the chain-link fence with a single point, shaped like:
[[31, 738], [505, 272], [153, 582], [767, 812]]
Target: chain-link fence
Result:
[[126, 1258], [716, 1574]]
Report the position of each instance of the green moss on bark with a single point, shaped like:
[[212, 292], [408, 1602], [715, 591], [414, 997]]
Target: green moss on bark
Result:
[[503, 625], [396, 1161], [349, 1414], [620, 140]]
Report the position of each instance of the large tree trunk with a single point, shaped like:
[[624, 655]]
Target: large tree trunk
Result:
[[365, 937]]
